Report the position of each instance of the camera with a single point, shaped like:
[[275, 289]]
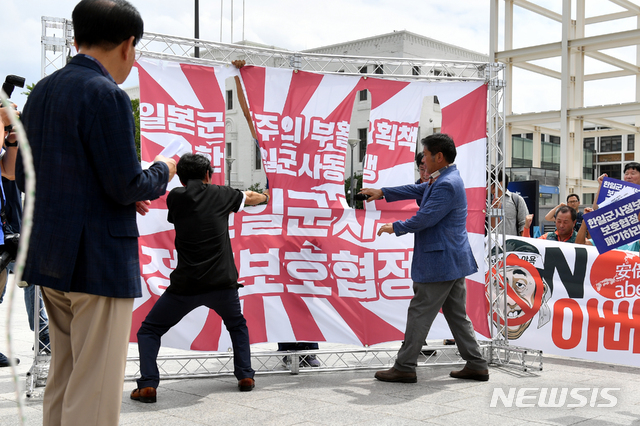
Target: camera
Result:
[[361, 197], [9, 84], [9, 250]]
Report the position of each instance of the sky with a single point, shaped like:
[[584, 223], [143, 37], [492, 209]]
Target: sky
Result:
[[305, 24]]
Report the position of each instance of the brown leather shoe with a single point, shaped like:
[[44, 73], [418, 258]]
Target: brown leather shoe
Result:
[[246, 384], [393, 375], [144, 394], [467, 373]]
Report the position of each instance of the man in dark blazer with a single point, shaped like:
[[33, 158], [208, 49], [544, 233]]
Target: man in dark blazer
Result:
[[442, 258], [84, 249]]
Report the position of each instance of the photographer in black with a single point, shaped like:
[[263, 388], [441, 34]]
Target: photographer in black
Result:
[[8, 154], [11, 218]]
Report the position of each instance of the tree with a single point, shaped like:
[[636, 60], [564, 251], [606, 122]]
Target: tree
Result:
[[29, 89], [256, 187], [135, 106]]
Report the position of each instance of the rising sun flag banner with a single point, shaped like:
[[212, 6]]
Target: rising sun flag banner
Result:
[[312, 268]]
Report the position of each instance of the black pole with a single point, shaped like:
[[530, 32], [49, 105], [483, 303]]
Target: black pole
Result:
[[197, 28]]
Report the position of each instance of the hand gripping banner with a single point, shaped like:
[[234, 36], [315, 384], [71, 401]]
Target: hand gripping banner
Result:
[[313, 269]]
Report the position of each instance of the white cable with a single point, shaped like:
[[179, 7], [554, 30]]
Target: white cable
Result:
[[27, 223]]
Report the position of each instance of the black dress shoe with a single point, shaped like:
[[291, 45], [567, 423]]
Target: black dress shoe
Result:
[[469, 374], [393, 375], [246, 384], [144, 395], [4, 361]]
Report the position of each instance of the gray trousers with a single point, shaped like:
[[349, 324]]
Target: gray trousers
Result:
[[428, 299]]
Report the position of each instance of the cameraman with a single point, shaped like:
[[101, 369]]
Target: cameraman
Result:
[[13, 217], [8, 153]]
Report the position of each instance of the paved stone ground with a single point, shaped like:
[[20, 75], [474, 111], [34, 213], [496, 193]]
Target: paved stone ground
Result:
[[354, 397]]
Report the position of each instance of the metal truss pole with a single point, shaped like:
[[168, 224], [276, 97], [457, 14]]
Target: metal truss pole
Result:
[[56, 42], [494, 224], [499, 351]]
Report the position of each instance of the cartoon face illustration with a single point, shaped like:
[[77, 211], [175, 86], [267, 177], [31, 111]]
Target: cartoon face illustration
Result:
[[526, 296], [524, 287]]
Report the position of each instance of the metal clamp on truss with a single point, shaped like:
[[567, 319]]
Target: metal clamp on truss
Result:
[[295, 61], [495, 212], [497, 84]]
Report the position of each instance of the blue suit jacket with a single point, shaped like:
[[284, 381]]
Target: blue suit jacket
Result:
[[81, 131], [441, 250]]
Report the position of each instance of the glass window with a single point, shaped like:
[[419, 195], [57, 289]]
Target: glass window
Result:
[[258, 157], [378, 69], [589, 167], [587, 199], [554, 139], [363, 95], [612, 170], [415, 70], [549, 199], [362, 135], [589, 143], [229, 99], [611, 143], [521, 152], [631, 142], [550, 156]]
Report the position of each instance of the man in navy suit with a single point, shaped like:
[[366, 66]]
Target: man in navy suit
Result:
[[89, 184], [442, 258]]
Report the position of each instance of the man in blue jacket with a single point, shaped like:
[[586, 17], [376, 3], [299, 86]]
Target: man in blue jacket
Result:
[[89, 184], [442, 258]]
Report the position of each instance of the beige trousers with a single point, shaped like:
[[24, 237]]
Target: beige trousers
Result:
[[89, 342]]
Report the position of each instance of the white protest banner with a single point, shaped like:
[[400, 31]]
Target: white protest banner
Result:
[[567, 299]]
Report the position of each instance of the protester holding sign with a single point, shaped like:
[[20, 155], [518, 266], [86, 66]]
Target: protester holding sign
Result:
[[583, 237], [615, 223], [565, 224], [632, 172], [573, 201]]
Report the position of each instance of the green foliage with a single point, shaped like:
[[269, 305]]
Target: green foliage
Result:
[[256, 187], [135, 105], [347, 186], [29, 89]]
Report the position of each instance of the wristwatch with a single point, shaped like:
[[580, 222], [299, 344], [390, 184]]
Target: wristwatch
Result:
[[11, 144]]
